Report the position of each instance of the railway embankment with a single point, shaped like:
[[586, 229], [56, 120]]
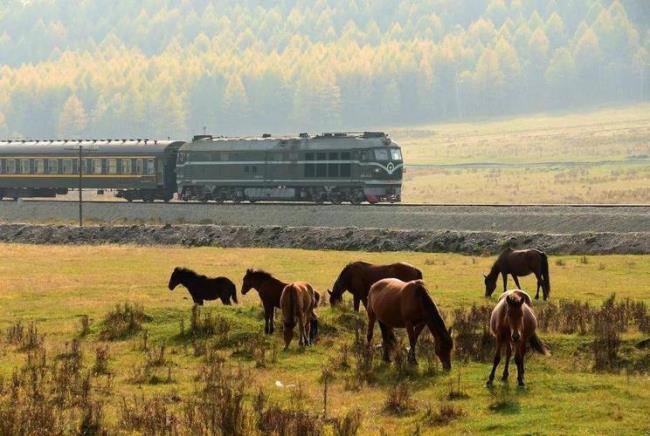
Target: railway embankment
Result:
[[329, 238]]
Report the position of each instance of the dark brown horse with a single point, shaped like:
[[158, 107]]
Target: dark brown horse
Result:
[[513, 323], [398, 304], [519, 263], [269, 289], [202, 288], [298, 301], [358, 277]]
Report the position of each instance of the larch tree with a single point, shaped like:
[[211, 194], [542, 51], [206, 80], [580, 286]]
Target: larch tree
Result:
[[72, 119]]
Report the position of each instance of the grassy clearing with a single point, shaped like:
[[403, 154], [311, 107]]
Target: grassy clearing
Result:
[[55, 287], [596, 156]]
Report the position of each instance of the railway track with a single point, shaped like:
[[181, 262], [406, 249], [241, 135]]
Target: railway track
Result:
[[294, 203]]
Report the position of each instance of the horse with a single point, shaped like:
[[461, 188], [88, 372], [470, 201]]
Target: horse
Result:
[[513, 323], [269, 289], [398, 304], [358, 277], [298, 301], [202, 288], [519, 263]]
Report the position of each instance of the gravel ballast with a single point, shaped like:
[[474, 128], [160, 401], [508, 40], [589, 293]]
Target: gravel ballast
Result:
[[330, 238]]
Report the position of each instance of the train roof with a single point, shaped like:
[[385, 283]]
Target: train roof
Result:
[[325, 141], [70, 146]]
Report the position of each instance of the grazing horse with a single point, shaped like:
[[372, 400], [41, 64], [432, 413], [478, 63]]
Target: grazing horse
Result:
[[398, 304], [298, 301], [358, 277], [269, 289], [513, 323], [519, 263], [203, 288]]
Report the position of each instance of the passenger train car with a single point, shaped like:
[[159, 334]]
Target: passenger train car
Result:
[[136, 169], [332, 167]]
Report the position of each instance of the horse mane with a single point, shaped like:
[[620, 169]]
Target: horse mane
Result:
[[260, 273], [438, 321], [188, 272]]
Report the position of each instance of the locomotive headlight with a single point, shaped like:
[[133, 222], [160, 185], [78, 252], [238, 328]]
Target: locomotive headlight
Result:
[[377, 171]]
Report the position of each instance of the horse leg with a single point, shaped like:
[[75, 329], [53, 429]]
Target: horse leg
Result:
[[356, 301], [539, 284], [410, 329], [371, 326], [267, 320], [386, 335], [519, 360], [506, 373], [516, 281], [301, 330], [505, 281], [497, 359], [225, 300], [272, 320]]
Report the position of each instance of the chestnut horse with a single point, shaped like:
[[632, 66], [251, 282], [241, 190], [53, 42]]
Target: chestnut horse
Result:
[[269, 289], [358, 277], [398, 304], [298, 301], [519, 263], [513, 323], [203, 288]]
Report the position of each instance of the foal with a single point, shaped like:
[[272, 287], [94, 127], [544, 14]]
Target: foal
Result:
[[513, 323], [269, 289], [298, 301], [203, 288]]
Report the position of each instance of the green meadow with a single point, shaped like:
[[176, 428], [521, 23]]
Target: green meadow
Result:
[[55, 287]]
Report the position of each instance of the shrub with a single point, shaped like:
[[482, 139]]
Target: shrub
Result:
[[122, 322], [443, 415], [348, 425], [399, 401]]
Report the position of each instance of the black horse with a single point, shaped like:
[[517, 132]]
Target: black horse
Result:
[[203, 288]]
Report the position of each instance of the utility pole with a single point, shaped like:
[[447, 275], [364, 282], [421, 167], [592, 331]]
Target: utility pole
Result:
[[80, 149]]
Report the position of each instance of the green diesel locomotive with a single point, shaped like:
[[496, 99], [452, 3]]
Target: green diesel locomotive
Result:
[[332, 167]]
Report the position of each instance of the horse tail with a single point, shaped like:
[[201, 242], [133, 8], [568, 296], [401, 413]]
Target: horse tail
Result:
[[233, 292], [546, 279], [290, 312], [537, 345]]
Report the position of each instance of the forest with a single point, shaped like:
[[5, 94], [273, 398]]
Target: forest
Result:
[[173, 68]]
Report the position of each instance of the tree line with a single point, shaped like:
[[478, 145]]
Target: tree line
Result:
[[158, 68]]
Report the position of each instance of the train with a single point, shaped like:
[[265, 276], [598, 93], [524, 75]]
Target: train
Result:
[[330, 167]]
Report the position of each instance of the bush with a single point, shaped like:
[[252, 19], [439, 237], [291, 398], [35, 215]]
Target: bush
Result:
[[398, 400], [124, 321]]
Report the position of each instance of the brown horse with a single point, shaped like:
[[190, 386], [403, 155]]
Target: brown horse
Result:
[[269, 289], [298, 302], [513, 323], [203, 288], [358, 277], [398, 304], [519, 263]]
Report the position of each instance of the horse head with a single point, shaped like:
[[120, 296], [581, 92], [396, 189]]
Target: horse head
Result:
[[336, 294], [515, 315], [175, 278], [490, 285], [247, 282]]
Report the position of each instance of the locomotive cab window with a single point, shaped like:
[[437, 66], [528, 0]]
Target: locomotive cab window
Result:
[[395, 154], [381, 154]]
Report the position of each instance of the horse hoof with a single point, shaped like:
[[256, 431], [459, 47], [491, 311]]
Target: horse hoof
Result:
[[488, 384], [504, 379], [521, 384]]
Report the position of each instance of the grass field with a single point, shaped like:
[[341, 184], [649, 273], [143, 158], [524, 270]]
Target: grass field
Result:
[[596, 156], [56, 286]]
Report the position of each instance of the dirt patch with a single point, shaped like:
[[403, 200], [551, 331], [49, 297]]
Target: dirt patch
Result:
[[352, 239]]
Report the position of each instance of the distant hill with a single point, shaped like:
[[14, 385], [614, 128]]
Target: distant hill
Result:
[[157, 68]]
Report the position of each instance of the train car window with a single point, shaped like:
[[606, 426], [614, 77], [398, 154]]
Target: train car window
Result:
[[381, 154], [11, 166], [68, 167], [53, 166], [25, 166], [97, 166], [254, 170], [112, 166], [293, 156], [139, 166], [127, 166], [395, 154], [89, 168], [39, 166], [278, 157], [224, 156], [321, 168], [2, 166], [246, 169], [150, 167], [333, 167], [345, 170], [310, 168]]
